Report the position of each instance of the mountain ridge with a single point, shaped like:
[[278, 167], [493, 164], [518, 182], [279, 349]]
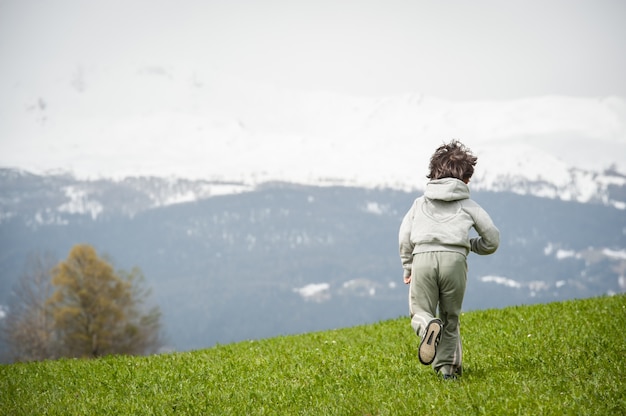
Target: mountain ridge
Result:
[[301, 257]]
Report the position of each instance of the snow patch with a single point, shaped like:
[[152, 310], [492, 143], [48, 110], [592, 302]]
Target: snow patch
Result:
[[360, 287], [533, 286], [589, 254], [47, 217], [619, 205], [80, 203], [317, 292], [564, 254], [501, 281], [614, 254]]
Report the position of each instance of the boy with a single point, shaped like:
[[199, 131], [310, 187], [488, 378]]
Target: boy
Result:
[[434, 243]]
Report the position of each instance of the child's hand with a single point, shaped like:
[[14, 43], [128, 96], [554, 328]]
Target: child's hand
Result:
[[407, 280]]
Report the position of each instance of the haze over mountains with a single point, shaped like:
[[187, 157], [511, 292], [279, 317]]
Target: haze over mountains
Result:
[[170, 121]]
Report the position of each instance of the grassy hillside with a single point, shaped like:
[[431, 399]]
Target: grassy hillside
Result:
[[559, 358]]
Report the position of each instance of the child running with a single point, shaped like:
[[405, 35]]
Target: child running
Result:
[[434, 243]]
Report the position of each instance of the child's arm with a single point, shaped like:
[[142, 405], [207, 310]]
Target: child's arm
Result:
[[489, 236]]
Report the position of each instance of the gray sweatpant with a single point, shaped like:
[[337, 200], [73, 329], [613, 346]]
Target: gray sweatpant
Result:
[[439, 278]]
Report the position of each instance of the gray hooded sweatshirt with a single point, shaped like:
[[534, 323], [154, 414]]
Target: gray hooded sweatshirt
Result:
[[441, 219]]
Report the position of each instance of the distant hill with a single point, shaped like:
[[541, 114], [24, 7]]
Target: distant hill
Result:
[[284, 258]]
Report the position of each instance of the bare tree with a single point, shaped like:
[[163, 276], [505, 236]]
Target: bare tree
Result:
[[28, 327]]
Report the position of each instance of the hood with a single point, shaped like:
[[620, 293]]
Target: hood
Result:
[[447, 189]]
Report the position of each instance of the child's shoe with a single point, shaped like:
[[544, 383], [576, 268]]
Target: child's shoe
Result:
[[428, 345], [449, 372]]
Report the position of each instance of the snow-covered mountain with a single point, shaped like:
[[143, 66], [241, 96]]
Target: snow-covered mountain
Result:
[[117, 122]]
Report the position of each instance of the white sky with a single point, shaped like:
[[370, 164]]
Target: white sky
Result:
[[459, 50]]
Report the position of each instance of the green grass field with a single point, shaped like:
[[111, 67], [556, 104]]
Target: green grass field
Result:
[[559, 358]]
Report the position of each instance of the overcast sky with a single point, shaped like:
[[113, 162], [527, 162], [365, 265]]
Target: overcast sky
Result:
[[460, 50]]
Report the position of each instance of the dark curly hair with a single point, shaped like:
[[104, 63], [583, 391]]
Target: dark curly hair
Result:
[[452, 160]]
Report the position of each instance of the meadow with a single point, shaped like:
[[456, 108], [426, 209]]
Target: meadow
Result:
[[556, 358]]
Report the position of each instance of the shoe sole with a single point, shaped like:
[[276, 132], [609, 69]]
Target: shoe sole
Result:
[[428, 346]]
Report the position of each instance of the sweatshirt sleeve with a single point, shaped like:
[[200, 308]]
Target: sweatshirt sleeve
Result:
[[488, 238], [406, 246]]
